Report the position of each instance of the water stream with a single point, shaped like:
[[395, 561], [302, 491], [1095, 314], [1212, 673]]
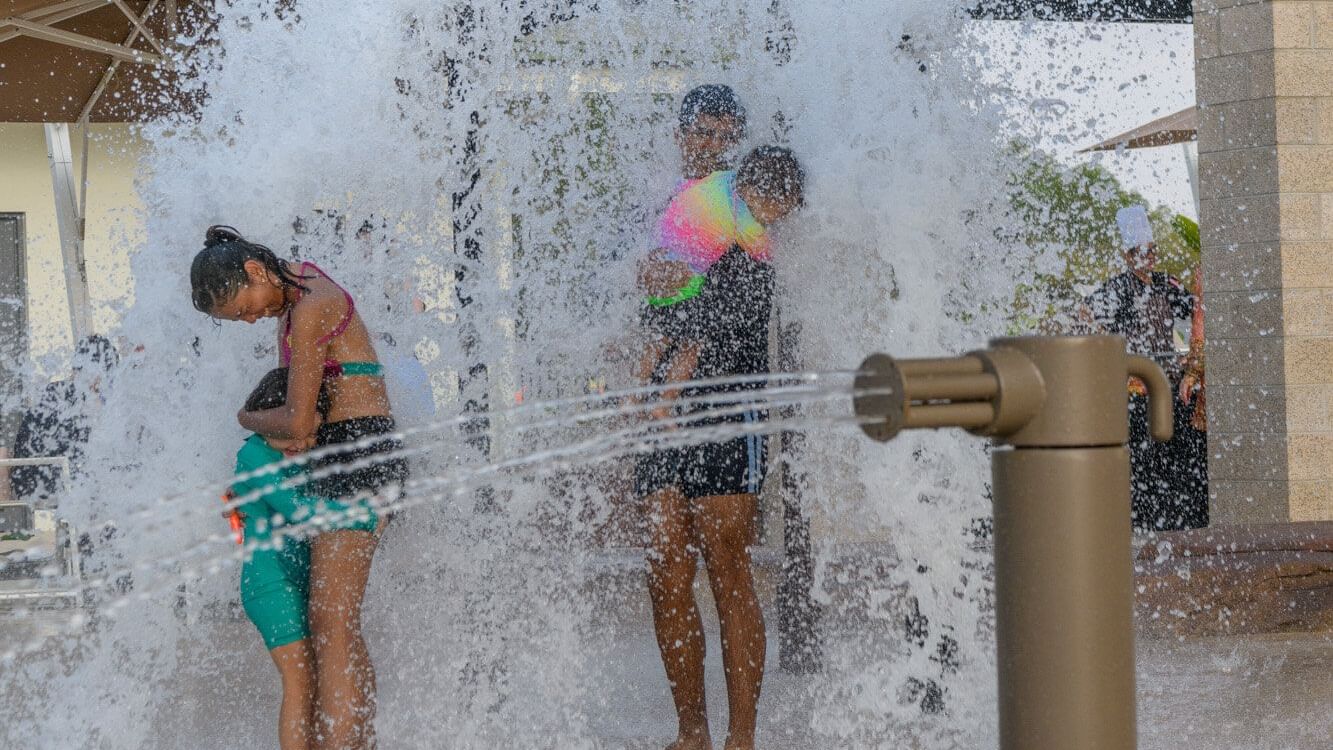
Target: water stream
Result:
[[482, 177], [158, 576]]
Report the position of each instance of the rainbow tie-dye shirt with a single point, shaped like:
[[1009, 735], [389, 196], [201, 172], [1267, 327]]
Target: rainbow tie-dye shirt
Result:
[[704, 221]]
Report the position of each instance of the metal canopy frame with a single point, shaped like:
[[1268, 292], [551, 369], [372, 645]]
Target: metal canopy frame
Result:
[[41, 24], [1177, 127]]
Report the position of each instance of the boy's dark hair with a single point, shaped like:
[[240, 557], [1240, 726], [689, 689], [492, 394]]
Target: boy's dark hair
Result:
[[272, 393], [773, 172], [218, 271], [713, 99]]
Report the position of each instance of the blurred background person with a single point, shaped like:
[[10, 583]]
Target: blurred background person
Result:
[[1169, 488], [58, 421]]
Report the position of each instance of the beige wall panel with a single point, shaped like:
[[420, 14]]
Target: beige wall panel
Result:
[[1307, 312], [1309, 455], [1301, 169], [1323, 26], [1301, 72], [1307, 264], [1293, 24], [114, 225], [1312, 408], [1311, 501], [1301, 216], [1309, 360]]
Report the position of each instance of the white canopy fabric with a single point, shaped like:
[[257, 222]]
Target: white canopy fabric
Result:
[[1180, 128]]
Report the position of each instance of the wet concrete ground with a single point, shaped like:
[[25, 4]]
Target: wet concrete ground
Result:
[[1253, 692]]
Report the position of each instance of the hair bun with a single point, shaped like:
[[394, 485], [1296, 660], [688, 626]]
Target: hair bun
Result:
[[219, 233]]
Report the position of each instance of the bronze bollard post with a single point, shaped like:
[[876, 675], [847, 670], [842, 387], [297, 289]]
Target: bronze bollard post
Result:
[[1056, 409]]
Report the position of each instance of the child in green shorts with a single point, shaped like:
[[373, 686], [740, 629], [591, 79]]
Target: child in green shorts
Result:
[[275, 578]]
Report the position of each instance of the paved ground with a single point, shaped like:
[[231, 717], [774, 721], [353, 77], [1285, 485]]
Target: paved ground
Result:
[[1255, 692]]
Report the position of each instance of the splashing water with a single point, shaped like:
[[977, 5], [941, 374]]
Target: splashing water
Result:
[[482, 179]]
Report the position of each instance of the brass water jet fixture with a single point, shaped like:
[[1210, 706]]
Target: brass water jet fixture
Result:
[[1056, 410]]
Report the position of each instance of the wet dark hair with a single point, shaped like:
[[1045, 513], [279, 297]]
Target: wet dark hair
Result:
[[218, 271], [715, 100], [272, 393], [773, 172]]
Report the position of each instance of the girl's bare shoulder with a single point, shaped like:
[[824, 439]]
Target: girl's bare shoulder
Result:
[[321, 300]]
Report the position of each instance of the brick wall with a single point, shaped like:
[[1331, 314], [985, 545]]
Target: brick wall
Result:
[[1264, 79]]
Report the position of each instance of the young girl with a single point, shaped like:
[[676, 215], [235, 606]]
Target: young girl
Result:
[[323, 341]]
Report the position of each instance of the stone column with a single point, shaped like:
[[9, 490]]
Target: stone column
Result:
[[1264, 78]]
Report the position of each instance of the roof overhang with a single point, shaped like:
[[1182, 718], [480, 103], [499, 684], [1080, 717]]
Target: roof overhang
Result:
[[93, 60]]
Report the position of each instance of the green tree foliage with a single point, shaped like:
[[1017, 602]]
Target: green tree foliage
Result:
[[1067, 216], [1188, 229]]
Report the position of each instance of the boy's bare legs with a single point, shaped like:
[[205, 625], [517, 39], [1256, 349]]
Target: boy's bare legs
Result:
[[724, 526], [680, 637], [296, 665], [345, 704]]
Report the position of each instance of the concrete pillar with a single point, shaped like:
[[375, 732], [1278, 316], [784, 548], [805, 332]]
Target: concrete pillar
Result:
[[1264, 80]]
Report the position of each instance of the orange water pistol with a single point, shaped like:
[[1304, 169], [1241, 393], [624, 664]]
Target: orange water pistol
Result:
[[234, 519]]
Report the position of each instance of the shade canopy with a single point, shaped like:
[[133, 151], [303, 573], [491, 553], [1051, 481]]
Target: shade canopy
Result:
[[93, 60], [1178, 127]]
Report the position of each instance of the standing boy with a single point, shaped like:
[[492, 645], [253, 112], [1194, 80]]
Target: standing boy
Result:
[[711, 125]]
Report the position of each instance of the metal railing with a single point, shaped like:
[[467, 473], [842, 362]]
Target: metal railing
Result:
[[60, 461], [67, 545]]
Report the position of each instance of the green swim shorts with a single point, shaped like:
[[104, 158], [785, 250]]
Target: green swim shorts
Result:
[[275, 591]]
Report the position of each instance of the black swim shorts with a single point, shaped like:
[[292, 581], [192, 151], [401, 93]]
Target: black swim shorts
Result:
[[734, 466], [359, 446]]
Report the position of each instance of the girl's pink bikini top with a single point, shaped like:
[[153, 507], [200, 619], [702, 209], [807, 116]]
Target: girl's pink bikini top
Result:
[[332, 367]]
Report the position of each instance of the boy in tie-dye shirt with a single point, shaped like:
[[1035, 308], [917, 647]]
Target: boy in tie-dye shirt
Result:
[[707, 218]]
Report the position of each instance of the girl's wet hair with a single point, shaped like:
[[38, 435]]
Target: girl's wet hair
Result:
[[218, 271], [272, 393]]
